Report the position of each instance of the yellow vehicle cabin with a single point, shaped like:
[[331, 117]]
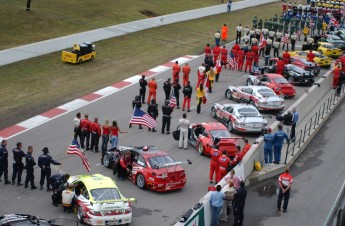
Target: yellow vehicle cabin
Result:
[[80, 53]]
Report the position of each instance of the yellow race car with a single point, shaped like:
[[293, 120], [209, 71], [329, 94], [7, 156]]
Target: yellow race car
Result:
[[328, 49], [321, 60], [80, 53]]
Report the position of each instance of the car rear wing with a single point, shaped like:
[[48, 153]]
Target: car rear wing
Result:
[[116, 200], [173, 164], [257, 116]]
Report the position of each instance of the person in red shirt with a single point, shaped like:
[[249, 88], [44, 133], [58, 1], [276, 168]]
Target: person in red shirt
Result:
[[246, 147], [280, 66], [216, 53], [224, 56], [224, 33], [240, 59], [285, 181], [95, 134], [236, 47], [207, 49], [286, 57], [152, 90], [175, 73], [249, 61], [310, 56], [336, 74], [342, 60], [255, 49], [125, 168], [284, 6], [214, 165], [186, 72], [85, 132], [223, 162]]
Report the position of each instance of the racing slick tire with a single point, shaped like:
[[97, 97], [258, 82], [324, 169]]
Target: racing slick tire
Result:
[[140, 181], [228, 94], [230, 126], [106, 161], [213, 112], [249, 82], [201, 148], [80, 61], [80, 215]]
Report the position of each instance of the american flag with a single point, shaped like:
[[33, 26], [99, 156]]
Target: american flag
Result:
[[74, 149], [285, 39], [334, 21], [263, 42], [172, 99], [232, 63], [312, 23], [142, 118], [218, 66]]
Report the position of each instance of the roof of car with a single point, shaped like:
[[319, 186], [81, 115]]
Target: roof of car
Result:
[[95, 181]]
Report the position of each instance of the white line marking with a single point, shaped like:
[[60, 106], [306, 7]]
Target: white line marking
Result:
[[159, 69], [32, 122], [75, 104], [107, 91], [133, 79]]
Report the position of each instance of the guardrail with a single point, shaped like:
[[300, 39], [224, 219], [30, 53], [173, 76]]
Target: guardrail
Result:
[[312, 123], [334, 212]]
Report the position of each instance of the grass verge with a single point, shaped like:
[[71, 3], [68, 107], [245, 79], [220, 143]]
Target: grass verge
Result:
[[33, 86], [49, 19]]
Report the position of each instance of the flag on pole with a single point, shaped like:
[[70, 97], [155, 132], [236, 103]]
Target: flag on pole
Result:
[[232, 63], [75, 149], [172, 98], [206, 85], [218, 66], [285, 39], [263, 42], [142, 118]]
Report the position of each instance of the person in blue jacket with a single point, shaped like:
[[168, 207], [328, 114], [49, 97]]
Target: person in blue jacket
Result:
[[268, 147], [279, 137]]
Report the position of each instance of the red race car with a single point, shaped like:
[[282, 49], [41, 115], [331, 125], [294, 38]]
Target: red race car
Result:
[[203, 135], [275, 81], [306, 65], [150, 167]]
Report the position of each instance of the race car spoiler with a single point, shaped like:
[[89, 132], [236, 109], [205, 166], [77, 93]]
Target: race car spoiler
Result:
[[257, 116], [115, 200]]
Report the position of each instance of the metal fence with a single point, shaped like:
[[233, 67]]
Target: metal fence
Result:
[[312, 123]]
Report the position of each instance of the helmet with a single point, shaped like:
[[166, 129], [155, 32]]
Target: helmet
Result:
[[257, 166], [145, 148]]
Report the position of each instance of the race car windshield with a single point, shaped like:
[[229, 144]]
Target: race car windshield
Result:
[[266, 92], [160, 161], [248, 112], [220, 133], [105, 194], [281, 80]]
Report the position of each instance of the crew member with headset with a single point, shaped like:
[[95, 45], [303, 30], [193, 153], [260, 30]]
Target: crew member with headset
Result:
[[44, 162]]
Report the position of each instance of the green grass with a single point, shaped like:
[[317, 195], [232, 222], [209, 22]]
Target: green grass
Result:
[[49, 19], [33, 86]]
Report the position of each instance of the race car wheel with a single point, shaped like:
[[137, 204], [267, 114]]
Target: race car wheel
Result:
[[213, 112], [106, 160], [80, 215], [249, 82], [252, 103], [201, 148], [228, 94], [92, 57], [140, 181], [230, 126], [80, 61]]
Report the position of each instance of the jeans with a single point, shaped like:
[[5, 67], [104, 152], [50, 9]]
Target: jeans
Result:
[[217, 40], [277, 153], [229, 7], [268, 155], [114, 140], [286, 197], [215, 215], [105, 140]]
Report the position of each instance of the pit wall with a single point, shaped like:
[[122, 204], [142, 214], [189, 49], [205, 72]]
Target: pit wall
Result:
[[310, 102]]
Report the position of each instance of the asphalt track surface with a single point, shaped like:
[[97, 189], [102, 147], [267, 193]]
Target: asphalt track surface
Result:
[[318, 176], [152, 208]]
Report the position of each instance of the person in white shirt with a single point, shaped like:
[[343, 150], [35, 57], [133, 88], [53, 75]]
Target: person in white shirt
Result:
[[184, 127], [229, 193], [246, 30], [238, 33], [76, 124], [68, 198]]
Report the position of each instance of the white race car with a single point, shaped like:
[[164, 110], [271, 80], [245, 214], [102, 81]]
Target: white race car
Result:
[[261, 97], [239, 117]]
